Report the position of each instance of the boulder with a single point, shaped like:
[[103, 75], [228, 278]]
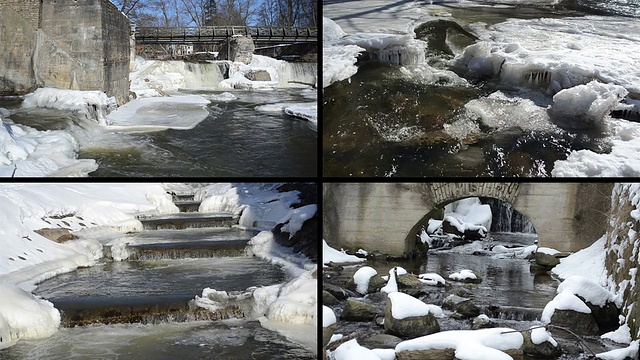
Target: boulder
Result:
[[338, 292], [381, 341], [440, 354], [327, 333], [546, 260], [544, 350], [375, 283], [328, 299], [359, 311], [580, 323], [482, 322], [410, 327], [464, 307], [448, 228], [56, 234], [467, 280], [258, 75], [409, 281]]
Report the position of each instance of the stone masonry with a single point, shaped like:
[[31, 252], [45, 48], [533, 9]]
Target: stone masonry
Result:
[[66, 44]]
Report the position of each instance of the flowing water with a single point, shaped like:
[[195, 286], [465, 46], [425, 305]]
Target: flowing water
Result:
[[234, 140], [509, 293], [386, 121]]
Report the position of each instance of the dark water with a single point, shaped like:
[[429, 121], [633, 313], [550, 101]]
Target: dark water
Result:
[[198, 340], [382, 123], [234, 140]]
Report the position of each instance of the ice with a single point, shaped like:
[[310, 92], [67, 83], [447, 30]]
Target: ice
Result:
[[160, 113], [361, 278], [23, 316], [338, 63], [305, 111], [468, 344], [404, 306], [94, 105], [328, 317], [169, 76], [585, 106], [463, 274], [225, 96], [331, 32], [629, 352], [330, 254], [556, 54], [388, 48], [27, 152], [622, 161]]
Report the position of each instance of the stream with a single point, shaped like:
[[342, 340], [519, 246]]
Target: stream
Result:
[[509, 293], [140, 307]]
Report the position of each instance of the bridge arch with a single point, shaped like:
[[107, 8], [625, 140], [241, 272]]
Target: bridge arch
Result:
[[386, 217]]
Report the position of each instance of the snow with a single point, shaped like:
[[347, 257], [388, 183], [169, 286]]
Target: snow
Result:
[[588, 262], [468, 344], [352, 350], [385, 354], [585, 106], [23, 316], [328, 317], [563, 301], [548, 251], [296, 217], [94, 105], [331, 32], [160, 113], [589, 290], [424, 237], [462, 275], [330, 254], [630, 352], [404, 306], [338, 63], [431, 279], [621, 335], [392, 285], [225, 96], [25, 151], [540, 335], [305, 111], [361, 278]]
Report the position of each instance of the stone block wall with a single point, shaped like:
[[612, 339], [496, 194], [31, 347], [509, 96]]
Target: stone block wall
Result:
[[622, 248], [68, 44]]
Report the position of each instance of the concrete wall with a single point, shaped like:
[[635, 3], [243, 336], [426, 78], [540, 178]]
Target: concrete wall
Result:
[[68, 44], [387, 217]]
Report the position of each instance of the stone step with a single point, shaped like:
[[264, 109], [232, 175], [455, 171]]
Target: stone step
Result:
[[188, 206], [189, 220], [183, 250]]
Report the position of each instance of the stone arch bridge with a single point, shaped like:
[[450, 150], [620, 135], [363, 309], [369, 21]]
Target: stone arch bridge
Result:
[[387, 216]]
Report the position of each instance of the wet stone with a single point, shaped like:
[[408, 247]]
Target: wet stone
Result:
[[359, 311], [381, 341]]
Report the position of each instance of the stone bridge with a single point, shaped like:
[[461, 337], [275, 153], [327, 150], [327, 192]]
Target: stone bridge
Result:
[[387, 216]]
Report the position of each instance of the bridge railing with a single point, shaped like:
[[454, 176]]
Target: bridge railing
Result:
[[148, 35]]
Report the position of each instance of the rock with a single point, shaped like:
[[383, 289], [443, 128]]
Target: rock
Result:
[[258, 75], [534, 268], [459, 291], [580, 323], [448, 228], [376, 297], [440, 354], [474, 234], [409, 281], [482, 322], [546, 260], [606, 317], [359, 311], [544, 350], [338, 292], [468, 280], [328, 299], [375, 283], [410, 327], [58, 235], [327, 333], [464, 307], [381, 341]]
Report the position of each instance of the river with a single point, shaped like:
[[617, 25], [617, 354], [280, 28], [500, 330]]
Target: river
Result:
[[478, 105]]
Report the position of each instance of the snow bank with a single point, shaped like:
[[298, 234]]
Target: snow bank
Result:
[[587, 289], [296, 217], [330, 254], [630, 352], [25, 151], [331, 32], [588, 262], [338, 61], [404, 306], [160, 113], [469, 344], [585, 106], [361, 278], [94, 105], [621, 335], [23, 316]]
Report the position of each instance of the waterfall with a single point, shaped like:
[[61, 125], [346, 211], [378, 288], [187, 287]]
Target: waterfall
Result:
[[506, 218], [298, 71]]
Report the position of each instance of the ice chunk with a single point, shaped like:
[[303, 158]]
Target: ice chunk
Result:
[[94, 105]]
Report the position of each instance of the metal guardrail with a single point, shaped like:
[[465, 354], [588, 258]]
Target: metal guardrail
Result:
[[209, 34]]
